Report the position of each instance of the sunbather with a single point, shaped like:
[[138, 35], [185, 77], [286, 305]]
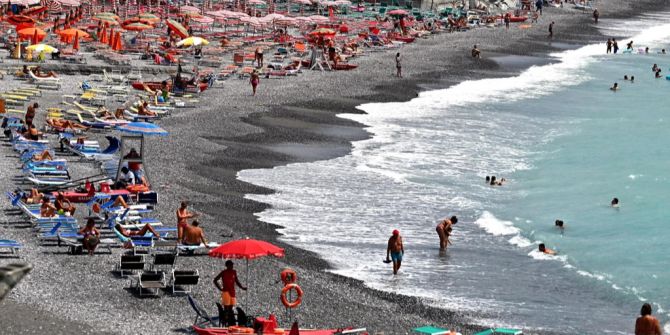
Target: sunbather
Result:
[[32, 133], [34, 197], [43, 156], [193, 234], [91, 236], [183, 214], [65, 124], [130, 233], [63, 204], [144, 110], [47, 209]]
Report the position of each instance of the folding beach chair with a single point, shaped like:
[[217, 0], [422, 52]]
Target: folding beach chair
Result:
[[201, 315]]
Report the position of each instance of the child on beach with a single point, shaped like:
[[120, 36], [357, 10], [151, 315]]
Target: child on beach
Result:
[[398, 65], [254, 80]]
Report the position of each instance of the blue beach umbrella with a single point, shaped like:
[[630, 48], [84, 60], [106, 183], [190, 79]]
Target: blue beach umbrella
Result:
[[142, 128]]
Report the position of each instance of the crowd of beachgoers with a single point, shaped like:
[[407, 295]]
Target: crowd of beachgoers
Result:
[[94, 92]]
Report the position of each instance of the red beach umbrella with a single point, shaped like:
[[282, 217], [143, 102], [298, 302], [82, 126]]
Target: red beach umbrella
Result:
[[111, 37], [18, 19], [398, 12], [246, 249], [103, 36], [34, 34], [177, 28]]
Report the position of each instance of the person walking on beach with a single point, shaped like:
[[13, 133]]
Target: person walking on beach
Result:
[[609, 45], [475, 52], [596, 15], [228, 278], [647, 324], [254, 80], [398, 65], [551, 30], [507, 19], [183, 214], [538, 6], [395, 250], [615, 46]]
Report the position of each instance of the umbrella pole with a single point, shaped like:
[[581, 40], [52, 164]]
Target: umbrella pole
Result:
[[248, 292]]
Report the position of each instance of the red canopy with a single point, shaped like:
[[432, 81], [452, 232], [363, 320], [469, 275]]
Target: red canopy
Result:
[[247, 249]]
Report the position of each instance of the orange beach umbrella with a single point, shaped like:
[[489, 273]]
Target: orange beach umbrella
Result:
[[68, 35], [35, 34], [103, 35]]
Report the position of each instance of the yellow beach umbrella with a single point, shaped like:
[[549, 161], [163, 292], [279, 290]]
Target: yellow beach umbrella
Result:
[[42, 48], [192, 41]]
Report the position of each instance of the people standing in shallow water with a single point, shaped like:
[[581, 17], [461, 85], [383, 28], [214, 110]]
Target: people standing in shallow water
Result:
[[646, 324], [443, 230], [615, 45], [395, 250], [615, 203], [629, 45], [609, 45]]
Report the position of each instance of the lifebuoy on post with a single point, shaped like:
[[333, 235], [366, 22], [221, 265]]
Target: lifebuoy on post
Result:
[[297, 301], [288, 276]]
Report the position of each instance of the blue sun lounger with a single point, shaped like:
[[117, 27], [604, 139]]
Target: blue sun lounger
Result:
[[12, 245], [501, 331]]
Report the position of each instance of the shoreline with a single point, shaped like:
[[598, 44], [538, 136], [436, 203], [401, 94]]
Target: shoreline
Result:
[[250, 134]]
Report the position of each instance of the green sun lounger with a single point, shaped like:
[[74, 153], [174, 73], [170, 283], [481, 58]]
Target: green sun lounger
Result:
[[495, 331], [430, 330]]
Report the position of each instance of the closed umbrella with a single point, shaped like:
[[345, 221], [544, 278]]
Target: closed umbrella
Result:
[[36, 34]]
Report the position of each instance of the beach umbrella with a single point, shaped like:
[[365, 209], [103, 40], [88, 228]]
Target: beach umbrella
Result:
[[34, 10], [111, 37], [70, 33], [69, 3], [137, 26], [192, 41], [149, 17], [138, 20], [36, 34], [177, 28], [75, 45], [107, 20], [246, 249], [398, 12], [189, 9], [103, 35], [323, 32], [37, 48], [318, 19], [203, 19], [106, 15], [16, 20], [142, 128]]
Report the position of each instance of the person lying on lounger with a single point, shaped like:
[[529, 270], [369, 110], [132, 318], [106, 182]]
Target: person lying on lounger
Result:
[[130, 233], [64, 124], [143, 109], [34, 197], [43, 156], [47, 209]]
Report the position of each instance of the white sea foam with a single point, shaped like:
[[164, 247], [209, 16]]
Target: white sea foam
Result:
[[495, 226]]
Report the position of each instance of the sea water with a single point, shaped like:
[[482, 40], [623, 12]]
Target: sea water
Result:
[[566, 145]]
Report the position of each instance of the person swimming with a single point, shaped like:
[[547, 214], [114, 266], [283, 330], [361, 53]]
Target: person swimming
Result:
[[543, 249], [488, 179], [654, 68], [625, 77], [632, 79], [658, 73], [663, 52], [615, 87], [615, 202], [559, 224], [646, 50], [493, 181]]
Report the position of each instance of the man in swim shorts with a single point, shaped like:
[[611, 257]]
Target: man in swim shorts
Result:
[[395, 250], [228, 279]]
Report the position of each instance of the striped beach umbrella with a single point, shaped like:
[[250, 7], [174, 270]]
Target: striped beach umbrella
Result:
[[142, 128]]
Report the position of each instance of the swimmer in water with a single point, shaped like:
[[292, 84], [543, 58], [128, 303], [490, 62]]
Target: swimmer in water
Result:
[[615, 87], [658, 73], [615, 203], [493, 181], [559, 224], [646, 50], [546, 250], [632, 79], [629, 45], [663, 52], [488, 179], [654, 68], [625, 77]]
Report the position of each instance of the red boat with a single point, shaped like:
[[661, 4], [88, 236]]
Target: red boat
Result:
[[244, 330], [406, 39], [156, 86], [518, 18], [77, 196]]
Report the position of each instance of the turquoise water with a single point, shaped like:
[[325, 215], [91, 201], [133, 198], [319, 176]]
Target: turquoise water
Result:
[[565, 143]]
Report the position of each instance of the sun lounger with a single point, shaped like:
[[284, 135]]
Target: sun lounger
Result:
[[501, 331], [130, 263], [76, 247], [150, 281], [430, 330], [11, 245], [182, 281]]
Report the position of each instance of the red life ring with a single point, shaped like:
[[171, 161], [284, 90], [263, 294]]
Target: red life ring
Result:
[[288, 276], [297, 301]]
